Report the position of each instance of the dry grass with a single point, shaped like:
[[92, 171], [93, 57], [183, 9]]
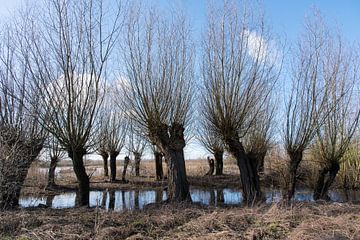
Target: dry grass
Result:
[[275, 176], [186, 221]]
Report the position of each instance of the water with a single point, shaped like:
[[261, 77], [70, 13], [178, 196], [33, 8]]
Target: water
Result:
[[120, 200]]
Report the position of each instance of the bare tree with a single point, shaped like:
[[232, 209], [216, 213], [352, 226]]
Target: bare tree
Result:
[[137, 143], [21, 137], [55, 153], [115, 139], [306, 109], [101, 146], [335, 135], [212, 144], [67, 54], [159, 63], [239, 69]]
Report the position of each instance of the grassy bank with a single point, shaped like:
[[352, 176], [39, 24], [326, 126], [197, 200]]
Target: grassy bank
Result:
[[186, 221]]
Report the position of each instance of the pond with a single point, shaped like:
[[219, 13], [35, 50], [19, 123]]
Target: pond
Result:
[[119, 200]]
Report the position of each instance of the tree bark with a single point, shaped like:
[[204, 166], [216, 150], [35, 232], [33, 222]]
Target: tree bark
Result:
[[171, 141], [137, 157], [219, 162], [105, 157], [126, 163], [158, 165], [83, 179], [178, 186], [13, 172], [51, 176], [326, 177], [211, 167], [248, 173], [113, 155], [295, 159]]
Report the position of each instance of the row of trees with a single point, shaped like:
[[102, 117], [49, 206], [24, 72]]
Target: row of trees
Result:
[[55, 81]]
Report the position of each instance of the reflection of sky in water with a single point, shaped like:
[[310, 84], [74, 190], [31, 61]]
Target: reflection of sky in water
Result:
[[232, 196], [122, 200], [64, 200], [31, 201], [202, 196]]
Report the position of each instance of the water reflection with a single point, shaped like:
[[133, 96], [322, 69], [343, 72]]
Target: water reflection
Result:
[[119, 200]]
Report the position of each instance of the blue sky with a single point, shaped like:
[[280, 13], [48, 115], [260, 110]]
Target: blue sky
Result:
[[285, 16]]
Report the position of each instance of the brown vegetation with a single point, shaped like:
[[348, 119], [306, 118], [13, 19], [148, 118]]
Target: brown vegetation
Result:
[[186, 221]]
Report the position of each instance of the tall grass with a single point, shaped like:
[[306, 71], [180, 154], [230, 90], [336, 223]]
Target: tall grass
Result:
[[349, 173]]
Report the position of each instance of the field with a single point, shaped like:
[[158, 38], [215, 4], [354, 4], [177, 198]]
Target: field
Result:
[[301, 220]]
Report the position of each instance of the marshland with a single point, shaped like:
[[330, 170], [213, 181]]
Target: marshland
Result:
[[179, 120]]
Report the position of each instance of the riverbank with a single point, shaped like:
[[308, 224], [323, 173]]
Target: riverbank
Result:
[[275, 176], [187, 221]]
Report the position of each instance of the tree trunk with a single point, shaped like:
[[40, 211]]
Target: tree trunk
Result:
[[295, 159], [219, 162], [113, 155], [158, 165], [82, 177], [211, 167], [137, 157], [248, 173], [171, 141], [105, 157], [51, 176], [178, 186], [326, 178], [13, 171], [126, 163]]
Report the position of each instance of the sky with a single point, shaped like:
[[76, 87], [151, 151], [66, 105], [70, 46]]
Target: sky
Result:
[[285, 17]]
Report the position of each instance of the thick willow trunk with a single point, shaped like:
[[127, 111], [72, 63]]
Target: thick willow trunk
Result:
[[178, 186], [137, 157], [83, 179], [171, 141], [105, 157], [51, 176], [211, 167], [295, 159], [326, 177], [248, 174], [13, 171], [158, 165], [219, 162], [113, 155]]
